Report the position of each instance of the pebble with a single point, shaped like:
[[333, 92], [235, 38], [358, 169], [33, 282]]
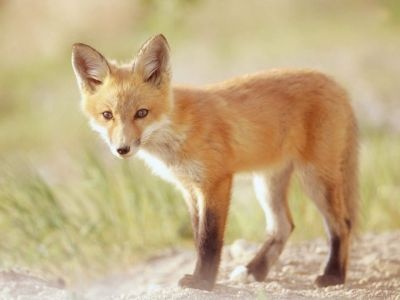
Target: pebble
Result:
[[239, 274]]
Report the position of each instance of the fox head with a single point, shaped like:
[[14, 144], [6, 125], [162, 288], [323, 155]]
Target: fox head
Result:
[[126, 104]]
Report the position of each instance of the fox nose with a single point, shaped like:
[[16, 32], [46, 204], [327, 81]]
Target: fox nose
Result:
[[123, 150]]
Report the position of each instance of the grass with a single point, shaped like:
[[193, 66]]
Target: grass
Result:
[[108, 219]]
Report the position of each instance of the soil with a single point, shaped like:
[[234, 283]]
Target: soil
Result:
[[374, 273]]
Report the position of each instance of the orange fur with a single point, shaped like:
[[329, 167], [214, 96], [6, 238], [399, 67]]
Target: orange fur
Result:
[[201, 137]]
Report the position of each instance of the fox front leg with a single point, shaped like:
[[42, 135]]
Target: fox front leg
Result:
[[212, 219]]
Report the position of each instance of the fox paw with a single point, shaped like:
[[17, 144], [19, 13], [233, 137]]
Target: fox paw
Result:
[[328, 280], [258, 269], [191, 281]]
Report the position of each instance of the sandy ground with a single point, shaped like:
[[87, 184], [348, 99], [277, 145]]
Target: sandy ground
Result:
[[374, 273]]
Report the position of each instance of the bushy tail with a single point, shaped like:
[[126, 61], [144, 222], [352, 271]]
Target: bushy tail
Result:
[[350, 175]]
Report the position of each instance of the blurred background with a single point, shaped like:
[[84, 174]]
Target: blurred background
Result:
[[71, 209]]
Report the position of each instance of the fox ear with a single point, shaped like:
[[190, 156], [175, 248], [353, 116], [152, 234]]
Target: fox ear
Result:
[[90, 67], [152, 62]]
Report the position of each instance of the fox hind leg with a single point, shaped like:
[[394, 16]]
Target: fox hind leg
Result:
[[271, 192], [327, 194]]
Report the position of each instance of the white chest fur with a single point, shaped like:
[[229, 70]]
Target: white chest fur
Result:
[[174, 172]]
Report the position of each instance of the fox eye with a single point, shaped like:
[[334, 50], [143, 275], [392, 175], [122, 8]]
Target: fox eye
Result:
[[107, 115], [141, 113]]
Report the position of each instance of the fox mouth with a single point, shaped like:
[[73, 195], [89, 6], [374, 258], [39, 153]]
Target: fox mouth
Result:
[[125, 156]]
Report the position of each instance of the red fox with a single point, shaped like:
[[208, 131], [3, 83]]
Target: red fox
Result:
[[269, 123]]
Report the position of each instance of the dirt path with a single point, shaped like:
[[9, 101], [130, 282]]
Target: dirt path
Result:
[[374, 273]]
